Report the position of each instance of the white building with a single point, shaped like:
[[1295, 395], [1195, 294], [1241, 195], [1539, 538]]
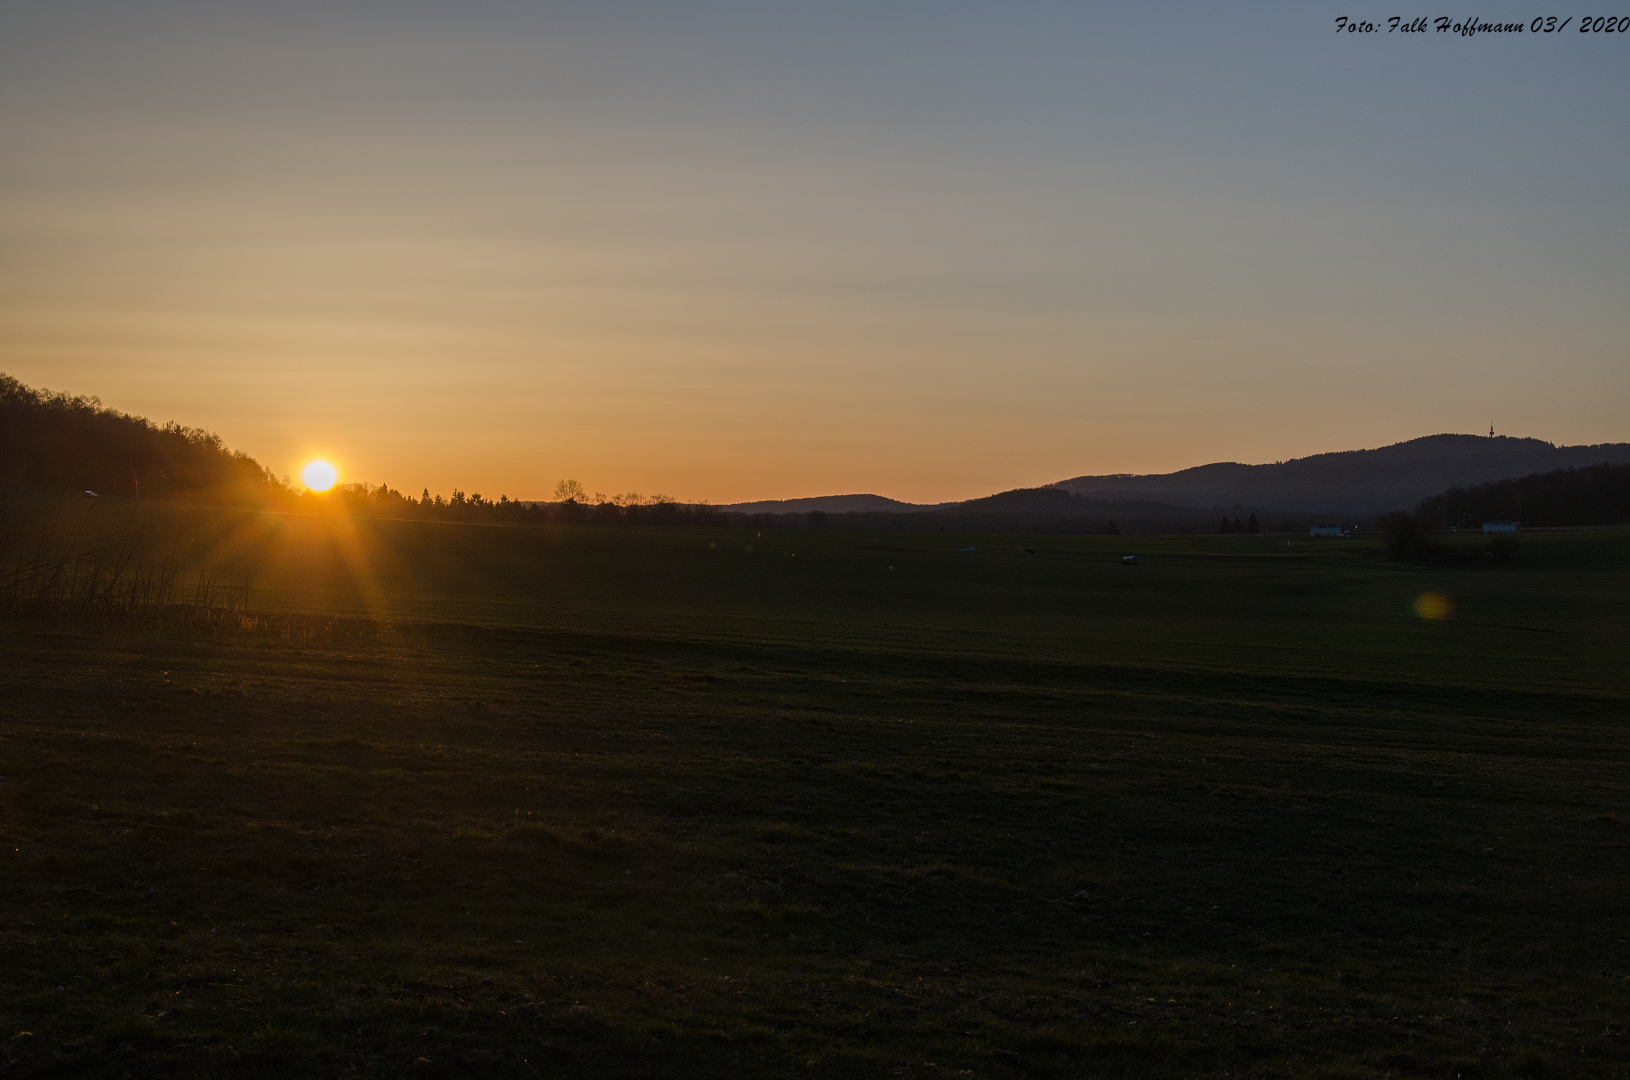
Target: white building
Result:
[[1502, 526], [1325, 530]]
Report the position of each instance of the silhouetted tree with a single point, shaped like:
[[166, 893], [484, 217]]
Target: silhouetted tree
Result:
[[1222, 526], [1111, 529], [1253, 526]]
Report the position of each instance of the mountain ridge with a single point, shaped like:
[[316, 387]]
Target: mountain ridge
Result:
[[1365, 481], [832, 504], [1393, 477]]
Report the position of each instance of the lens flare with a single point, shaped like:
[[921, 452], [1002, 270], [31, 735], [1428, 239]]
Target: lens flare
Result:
[[1431, 605], [319, 475]]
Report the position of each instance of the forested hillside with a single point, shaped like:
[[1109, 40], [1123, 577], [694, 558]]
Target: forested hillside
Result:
[[1354, 481], [62, 441], [1594, 495]]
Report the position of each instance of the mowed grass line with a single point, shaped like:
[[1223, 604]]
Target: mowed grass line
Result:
[[505, 852]]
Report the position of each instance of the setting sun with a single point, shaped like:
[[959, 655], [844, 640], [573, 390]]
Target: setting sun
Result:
[[319, 475]]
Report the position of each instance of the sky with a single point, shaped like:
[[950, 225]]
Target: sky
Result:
[[739, 251]]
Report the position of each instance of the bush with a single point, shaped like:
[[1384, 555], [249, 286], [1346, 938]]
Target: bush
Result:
[[1406, 538]]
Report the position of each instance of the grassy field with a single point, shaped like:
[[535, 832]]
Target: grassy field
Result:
[[665, 802]]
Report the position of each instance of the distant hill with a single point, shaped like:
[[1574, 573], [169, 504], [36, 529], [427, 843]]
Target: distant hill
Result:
[[1056, 502], [1594, 495], [831, 504], [1024, 510], [1352, 481]]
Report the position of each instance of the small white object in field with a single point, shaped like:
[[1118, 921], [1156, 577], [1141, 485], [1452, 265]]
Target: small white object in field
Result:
[[90, 494], [1129, 560]]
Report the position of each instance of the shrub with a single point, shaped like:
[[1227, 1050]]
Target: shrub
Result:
[[1405, 538]]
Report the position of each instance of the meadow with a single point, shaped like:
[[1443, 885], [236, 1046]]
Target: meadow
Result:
[[582, 802]]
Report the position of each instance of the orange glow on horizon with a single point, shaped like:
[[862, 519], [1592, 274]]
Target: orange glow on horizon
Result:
[[931, 272]]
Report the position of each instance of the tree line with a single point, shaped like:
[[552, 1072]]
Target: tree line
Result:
[[74, 443], [571, 506], [1593, 495]]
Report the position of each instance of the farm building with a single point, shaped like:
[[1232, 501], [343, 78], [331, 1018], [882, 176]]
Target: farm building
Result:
[[1502, 526], [1325, 530]]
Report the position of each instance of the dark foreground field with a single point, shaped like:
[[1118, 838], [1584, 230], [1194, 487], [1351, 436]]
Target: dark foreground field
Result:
[[648, 803]]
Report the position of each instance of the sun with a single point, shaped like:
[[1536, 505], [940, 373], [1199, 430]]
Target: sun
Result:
[[319, 475]]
